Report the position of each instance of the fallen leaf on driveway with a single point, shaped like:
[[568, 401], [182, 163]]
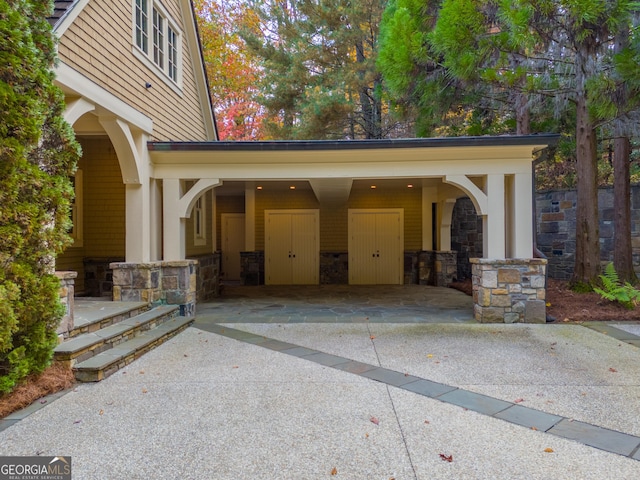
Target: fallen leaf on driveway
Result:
[[548, 450], [101, 412], [144, 390], [613, 370], [334, 471], [446, 458], [518, 400], [374, 420], [372, 337]]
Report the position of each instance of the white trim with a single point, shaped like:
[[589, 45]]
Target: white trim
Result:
[[71, 81], [69, 17], [76, 109], [200, 210]]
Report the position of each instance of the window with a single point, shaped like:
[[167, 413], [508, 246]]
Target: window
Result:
[[142, 22], [76, 210], [172, 50], [199, 222], [157, 39]]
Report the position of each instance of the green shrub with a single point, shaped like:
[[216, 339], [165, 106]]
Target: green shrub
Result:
[[38, 154], [615, 291]]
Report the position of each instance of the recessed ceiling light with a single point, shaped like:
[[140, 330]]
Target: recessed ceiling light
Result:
[[373, 187], [292, 187], [410, 185], [259, 187]]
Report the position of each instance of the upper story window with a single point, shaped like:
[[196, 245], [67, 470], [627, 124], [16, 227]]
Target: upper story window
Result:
[[157, 38]]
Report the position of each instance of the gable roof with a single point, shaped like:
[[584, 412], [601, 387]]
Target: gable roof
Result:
[[60, 9]]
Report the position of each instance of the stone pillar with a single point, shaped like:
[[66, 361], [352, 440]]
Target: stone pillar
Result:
[[510, 290], [67, 292], [179, 285]]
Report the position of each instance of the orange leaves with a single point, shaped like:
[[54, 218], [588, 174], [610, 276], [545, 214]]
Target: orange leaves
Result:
[[374, 420], [548, 450], [334, 471], [446, 458], [613, 370]]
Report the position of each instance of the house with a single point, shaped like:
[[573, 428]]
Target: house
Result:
[[163, 209]]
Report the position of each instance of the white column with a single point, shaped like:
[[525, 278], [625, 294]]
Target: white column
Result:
[[429, 197], [250, 218], [523, 216], [444, 228], [138, 222], [493, 223], [214, 223], [174, 225]]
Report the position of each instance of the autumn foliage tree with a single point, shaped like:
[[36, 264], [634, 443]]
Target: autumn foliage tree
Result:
[[232, 71], [38, 154]]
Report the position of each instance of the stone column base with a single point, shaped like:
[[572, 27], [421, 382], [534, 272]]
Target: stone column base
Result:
[[509, 291], [67, 292], [172, 283]]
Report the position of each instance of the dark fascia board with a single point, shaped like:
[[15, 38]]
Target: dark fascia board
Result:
[[542, 140]]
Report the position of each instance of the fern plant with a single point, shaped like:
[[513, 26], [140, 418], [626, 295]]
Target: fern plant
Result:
[[615, 291]]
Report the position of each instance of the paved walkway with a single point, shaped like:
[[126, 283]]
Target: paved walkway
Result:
[[355, 398]]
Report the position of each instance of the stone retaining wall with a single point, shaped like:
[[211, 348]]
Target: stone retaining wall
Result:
[[509, 291], [172, 283]]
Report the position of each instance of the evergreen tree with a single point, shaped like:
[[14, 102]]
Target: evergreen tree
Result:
[[319, 62], [38, 154]]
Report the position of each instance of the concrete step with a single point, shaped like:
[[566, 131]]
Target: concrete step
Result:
[[92, 314], [87, 345], [102, 365]]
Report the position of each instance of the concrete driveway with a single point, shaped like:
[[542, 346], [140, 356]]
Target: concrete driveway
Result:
[[234, 398]]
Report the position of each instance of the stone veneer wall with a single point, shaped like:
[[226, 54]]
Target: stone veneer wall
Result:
[[67, 292], [334, 268], [556, 222], [509, 291], [208, 276], [172, 283], [420, 267], [98, 277], [466, 235], [252, 268]]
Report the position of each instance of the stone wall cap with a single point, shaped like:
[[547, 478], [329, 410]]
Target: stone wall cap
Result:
[[64, 275], [179, 263], [508, 261], [133, 265]]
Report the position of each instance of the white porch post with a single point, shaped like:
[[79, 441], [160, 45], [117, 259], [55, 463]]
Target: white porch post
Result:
[[523, 211], [493, 223], [138, 222], [174, 245], [446, 214]]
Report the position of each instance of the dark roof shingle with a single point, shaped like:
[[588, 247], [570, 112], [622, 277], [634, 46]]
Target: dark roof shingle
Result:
[[60, 8]]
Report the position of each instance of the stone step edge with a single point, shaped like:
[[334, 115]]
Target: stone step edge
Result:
[[108, 320], [90, 344], [106, 363]]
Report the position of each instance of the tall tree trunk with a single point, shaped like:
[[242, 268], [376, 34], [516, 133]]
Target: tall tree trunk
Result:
[[587, 264], [622, 249]]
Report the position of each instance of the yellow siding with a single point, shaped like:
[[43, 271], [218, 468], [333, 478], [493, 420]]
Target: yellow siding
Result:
[[99, 45], [226, 205], [333, 229], [104, 200]]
